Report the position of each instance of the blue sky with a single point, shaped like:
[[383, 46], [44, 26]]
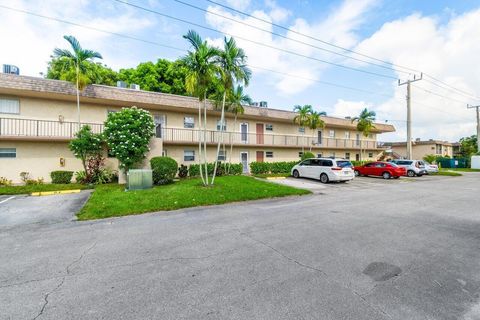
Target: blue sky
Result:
[[437, 37]]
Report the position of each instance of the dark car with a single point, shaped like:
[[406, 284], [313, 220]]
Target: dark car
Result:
[[386, 170]]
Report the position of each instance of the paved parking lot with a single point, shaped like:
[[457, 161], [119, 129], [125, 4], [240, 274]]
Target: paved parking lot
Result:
[[20, 210], [366, 250]]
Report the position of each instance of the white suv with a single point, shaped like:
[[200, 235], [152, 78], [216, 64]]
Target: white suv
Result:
[[413, 167], [325, 169]]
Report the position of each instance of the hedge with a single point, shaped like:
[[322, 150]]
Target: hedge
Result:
[[235, 169], [164, 169], [61, 177], [272, 167]]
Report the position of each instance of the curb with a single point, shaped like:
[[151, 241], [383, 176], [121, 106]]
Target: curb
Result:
[[49, 193], [275, 178]]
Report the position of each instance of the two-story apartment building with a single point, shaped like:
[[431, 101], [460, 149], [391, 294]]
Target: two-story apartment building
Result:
[[421, 148], [38, 117]]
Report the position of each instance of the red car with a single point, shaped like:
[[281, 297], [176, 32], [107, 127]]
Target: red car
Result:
[[386, 170]]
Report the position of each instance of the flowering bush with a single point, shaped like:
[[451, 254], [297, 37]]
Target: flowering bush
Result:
[[86, 146], [128, 133]]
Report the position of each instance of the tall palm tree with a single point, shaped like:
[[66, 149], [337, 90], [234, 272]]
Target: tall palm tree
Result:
[[365, 124], [201, 70], [302, 119], [232, 64], [236, 99], [78, 70], [316, 122]]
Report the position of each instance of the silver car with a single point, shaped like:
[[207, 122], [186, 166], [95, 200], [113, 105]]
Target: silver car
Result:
[[431, 168], [413, 167], [325, 169]]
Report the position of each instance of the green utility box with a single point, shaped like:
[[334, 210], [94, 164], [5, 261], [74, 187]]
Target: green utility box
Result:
[[139, 179]]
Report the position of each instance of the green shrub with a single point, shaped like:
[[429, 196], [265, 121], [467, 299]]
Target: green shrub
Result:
[[271, 167], [30, 182], [307, 155], [235, 169], [5, 182], [182, 171], [164, 169], [359, 163], [61, 177]]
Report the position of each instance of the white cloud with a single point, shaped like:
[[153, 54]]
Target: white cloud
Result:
[[277, 13], [31, 40], [338, 27], [448, 51], [239, 4], [345, 108]]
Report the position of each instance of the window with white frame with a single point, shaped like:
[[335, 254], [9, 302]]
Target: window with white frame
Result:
[[301, 129], [222, 155], [9, 105], [347, 134], [300, 154], [189, 155], [269, 154], [8, 152], [370, 155], [219, 125], [347, 155], [331, 133], [319, 155], [357, 139], [269, 127], [188, 122], [164, 153]]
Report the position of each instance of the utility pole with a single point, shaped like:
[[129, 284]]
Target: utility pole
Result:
[[409, 113], [478, 124]]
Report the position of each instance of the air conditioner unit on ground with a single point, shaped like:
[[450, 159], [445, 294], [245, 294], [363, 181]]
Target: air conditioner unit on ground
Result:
[[263, 104], [134, 86]]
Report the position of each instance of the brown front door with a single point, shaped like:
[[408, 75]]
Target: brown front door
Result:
[[260, 134], [259, 156]]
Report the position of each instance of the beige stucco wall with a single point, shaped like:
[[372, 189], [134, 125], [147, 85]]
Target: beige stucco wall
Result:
[[421, 150]]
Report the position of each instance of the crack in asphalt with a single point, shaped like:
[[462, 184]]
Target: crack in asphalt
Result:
[[306, 266], [67, 270]]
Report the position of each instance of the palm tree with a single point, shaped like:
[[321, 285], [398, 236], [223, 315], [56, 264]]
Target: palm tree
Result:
[[316, 122], [302, 119], [232, 64], [365, 124], [77, 64], [201, 71], [236, 99]]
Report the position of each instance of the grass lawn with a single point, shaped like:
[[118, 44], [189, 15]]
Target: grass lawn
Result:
[[444, 172], [274, 175], [112, 201], [461, 169], [39, 188]]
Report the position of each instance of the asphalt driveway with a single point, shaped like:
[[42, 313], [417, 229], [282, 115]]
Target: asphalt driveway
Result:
[[386, 251]]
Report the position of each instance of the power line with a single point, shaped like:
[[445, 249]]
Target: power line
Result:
[[90, 28], [184, 50], [286, 37], [469, 96], [338, 47], [440, 95], [254, 42], [311, 37]]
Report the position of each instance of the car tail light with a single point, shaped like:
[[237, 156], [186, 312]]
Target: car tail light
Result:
[[337, 169]]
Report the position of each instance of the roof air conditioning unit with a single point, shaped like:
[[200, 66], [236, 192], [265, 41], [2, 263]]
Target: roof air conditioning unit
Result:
[[11, 69], [254, 104], [121, 84], [263, 104], [134, 86]]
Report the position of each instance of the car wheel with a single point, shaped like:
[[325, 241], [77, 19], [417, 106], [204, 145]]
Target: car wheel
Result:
[[324, 178], [296, 174], [357, 173], [411, 173], [386, 175]]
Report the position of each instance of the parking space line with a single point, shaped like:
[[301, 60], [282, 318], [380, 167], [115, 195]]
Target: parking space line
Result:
[[7, 199]]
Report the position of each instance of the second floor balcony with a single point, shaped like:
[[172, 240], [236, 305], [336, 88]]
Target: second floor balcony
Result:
[[49, 130]]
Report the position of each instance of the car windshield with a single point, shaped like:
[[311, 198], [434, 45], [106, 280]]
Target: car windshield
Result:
[[393, 164], [344, 164]]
